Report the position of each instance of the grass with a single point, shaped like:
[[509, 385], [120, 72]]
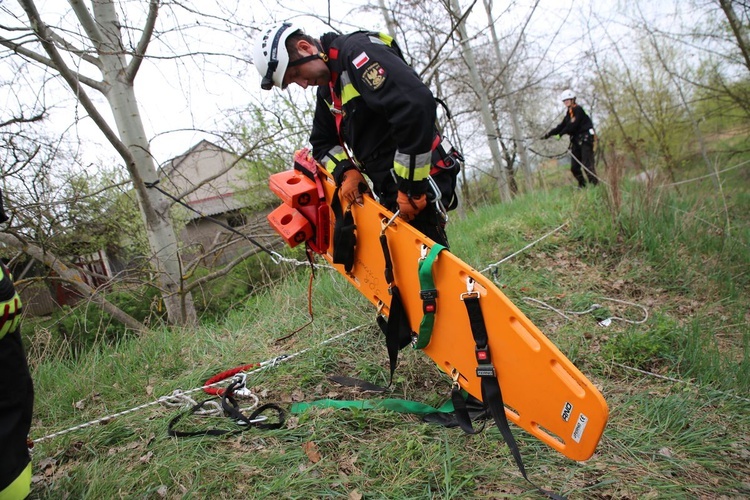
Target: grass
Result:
[[676, 384]]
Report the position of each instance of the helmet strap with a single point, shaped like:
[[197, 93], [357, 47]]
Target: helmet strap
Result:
[[303, 60]]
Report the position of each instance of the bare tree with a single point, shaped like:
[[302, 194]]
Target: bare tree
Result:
[[739, 28], [481, 93], [51, 222], [116, 49]]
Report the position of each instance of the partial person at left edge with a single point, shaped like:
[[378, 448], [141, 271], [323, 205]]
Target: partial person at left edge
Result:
[[16, 391]]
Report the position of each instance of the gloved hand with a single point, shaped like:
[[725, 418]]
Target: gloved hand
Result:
[[545, 136], [410, 206], [353, 186]]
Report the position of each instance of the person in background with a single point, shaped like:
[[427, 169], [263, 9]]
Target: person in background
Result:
[[578, 125], [16, 392], [373, 116]]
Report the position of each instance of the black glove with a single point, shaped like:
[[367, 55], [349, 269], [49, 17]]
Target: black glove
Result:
[[545, 136]]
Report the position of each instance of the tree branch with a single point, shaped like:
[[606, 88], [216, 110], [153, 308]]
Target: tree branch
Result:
[[75, 50], [50, 63], [140, 49], [89, 23], [72, 276], [21, 119], [43, 33]]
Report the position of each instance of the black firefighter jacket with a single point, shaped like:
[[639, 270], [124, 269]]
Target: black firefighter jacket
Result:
[[388, 119], [576, 124]]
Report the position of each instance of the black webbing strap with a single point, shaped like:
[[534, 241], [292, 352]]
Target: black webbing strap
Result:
[[232, 410], [344, 238], [491, 393], [397, 331]]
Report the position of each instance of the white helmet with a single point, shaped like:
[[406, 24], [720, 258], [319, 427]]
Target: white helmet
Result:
[[270, 55], [567, 94]]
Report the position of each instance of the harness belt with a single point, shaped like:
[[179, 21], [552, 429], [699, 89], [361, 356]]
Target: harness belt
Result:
[[344, 236]]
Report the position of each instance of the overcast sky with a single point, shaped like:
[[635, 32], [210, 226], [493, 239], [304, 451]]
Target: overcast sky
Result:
[[178, 96]]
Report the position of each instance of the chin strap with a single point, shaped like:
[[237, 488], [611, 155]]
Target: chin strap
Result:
[[302, 60]]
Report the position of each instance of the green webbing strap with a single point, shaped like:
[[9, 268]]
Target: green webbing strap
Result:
[[428, 294], [398, 405]]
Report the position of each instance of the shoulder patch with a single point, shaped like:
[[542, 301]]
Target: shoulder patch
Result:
[[374, 76]]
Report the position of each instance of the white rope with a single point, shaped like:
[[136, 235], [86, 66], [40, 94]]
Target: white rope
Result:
[[713, 174], [170, 398], [594, 307], [492, 266], [278, 258], [663, 377], [212, 407]]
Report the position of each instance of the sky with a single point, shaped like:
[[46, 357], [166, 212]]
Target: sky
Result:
[[181, 99]]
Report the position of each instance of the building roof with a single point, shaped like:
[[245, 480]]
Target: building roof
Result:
[[200, 172]]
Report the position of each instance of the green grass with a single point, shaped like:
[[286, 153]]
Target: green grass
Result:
[[679, 427]]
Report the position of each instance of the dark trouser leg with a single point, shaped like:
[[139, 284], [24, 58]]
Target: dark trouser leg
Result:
[[575, 165], [431, 225], [16, 405], [428, 221], [587, 157]]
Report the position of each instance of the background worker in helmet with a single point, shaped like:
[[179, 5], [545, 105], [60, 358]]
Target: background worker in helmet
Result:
[[371, 102], [16, 393], [580, 128]]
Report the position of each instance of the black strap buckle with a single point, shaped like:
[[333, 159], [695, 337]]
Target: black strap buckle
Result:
[[429, 304], [483, 355], [484, 362]]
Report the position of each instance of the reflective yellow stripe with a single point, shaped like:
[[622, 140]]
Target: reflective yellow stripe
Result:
[[13, 306], [20, 487], [420, 173], [348, 93], [388, 40], [339, 154]]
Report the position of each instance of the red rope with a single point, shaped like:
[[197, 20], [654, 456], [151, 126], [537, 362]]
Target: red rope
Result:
[[218, 391]]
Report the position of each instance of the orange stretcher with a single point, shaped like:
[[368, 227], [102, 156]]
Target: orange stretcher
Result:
[[543, 392]]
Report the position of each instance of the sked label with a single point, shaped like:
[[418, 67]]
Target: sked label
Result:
[[580, 427], [567, 410]]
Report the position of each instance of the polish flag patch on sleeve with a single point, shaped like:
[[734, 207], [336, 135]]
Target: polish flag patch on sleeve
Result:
[[360, 60]]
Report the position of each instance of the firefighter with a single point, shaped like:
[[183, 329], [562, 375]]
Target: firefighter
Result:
[[580, 128], [16, 392], [373, 115]]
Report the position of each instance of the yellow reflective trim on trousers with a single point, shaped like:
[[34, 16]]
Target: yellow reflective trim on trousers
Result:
[[420, 173], [20, 487]]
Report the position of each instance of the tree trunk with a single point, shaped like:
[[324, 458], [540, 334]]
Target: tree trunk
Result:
[[162, 239], [476, 82], [130, 139], [740, 31], [512, 112]]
